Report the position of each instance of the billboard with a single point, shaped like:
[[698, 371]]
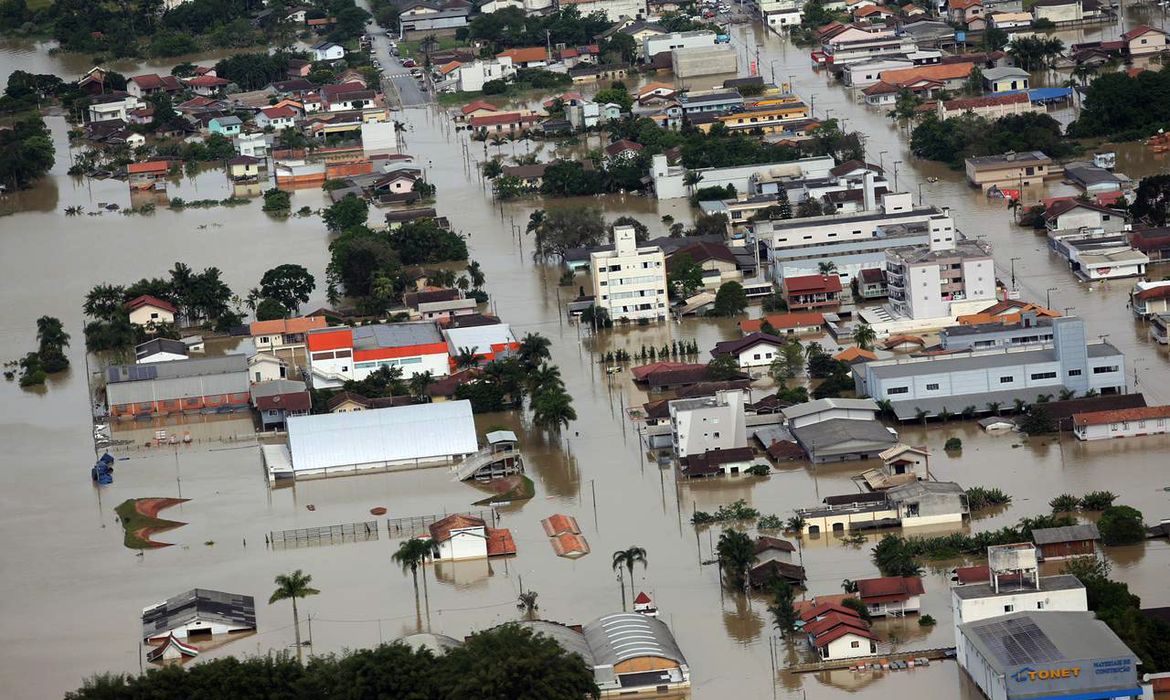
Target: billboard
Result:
[[1062, 677]]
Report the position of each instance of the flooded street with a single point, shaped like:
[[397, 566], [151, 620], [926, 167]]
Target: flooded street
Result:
[[74, 594]]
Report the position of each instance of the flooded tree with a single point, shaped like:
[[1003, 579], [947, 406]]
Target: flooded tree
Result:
[[735, 552], [350, 212], [289, 285], [628, 557], [412, 554], [560, 229], [26, 152], [291, 587], [783, 607]]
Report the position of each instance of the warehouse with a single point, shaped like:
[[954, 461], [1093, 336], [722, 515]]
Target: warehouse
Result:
[[388, 439], [206, 384], [1048, 654]]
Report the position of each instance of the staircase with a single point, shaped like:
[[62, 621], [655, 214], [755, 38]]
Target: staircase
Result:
[[485, 457]]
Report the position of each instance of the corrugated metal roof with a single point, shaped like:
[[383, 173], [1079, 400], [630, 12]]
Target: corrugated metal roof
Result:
[[1068, 533], [396, 335], [819, 405], [159, 381], [422, 431], [621, 636], [479, 338]]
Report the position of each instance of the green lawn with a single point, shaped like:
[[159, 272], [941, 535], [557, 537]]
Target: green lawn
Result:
[[522, 491], [411, 49], [133, 521]]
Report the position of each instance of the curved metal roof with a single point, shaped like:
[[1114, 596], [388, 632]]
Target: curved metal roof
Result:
[[621, 636], [437, 644], [570, 639]]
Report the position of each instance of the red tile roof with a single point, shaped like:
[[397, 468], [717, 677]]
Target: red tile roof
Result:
[[567, 545], [988, 101], [831, 620], [441, 529], [896, 340], [504, 118], [854, 353], [1161, 292], [478, 105], [840, 631], [289, 325], [279, 112], [815, 611], [783, 321], [812, 283], [153, 166], [734, 347], [643, 372], [889, 588], [558, 524], [763, 544], [500, 542], [295, 401], [1121, 414], [621, 146], [973, 574], [530, 54], [206, 81], [147, 300], [1138, 31], [942, 71]]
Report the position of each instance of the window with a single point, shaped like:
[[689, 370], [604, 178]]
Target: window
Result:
[[1008, 608], [1044, 375], [854, 645], [897, 390], [1074, 373], [1006, 380], [932, 387], [1105, 369], [1039, 605]]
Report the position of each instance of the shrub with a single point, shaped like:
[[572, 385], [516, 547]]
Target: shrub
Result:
[[770, 522], [953, 444], [979, 498], [758, 470], [857, 606], [1064, 503], [926, 621], [1121, 525]]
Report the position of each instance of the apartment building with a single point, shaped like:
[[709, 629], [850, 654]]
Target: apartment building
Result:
[[924, 280], [629, 282]]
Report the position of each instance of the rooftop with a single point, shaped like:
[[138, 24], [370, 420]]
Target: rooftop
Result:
[[1068, 533], [888, 588], [215, 606], [983, 589], [1121, 415], [843, 435], [804, 284], [288, 325], [783, 321], [819, 405], [1047, 637], [917, 255], [1007, 159], [734, 347], [197, 367]]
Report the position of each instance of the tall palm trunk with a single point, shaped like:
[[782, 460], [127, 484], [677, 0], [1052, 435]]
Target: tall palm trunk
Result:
[[297, 628], [414, 573], [622, 584], [426, 594], [633, 595]]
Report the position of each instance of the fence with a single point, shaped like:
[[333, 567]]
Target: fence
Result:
[[416, 524], [325, 535]]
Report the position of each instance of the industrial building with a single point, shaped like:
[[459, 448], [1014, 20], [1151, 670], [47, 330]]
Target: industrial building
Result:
[[389, 439], [338, 355], [837, 430], [199, 613], [180, 386], [1048, 654]]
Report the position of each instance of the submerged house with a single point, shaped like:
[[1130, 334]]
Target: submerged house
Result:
[[199, 613]]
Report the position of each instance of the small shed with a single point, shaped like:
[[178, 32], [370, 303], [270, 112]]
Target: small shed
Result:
[[1056, 543]]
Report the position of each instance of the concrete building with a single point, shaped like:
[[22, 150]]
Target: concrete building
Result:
[[199, 614], [1030, 330], [780, 14], [614, 10], [935, 383], [865, 73], [837, 430], [1047, 654], [1010, 583], [752, 350], [471, 76], [160, 350], [704, 101], [1005, 79], [1058, 11], [629, 282], [854, 44], [1071, 214], [338, 355], [929, 503], [462, 537], [487, 341], [811, 291], [112, 106], [179, 386], [662, 43], [989, 107], [837, 635], [709, 423], [284, 334], [669, 181], [146, 311], [1095, 180], [277, 400], [926, 282], [1013, 170], [1093, 255], [383, 439], [699, 61], [1129, 422], [1143, 40]]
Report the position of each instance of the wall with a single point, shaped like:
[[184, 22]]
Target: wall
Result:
[[145, 315], [975, 609], [1149, 426], [467, 543], [849, 646]]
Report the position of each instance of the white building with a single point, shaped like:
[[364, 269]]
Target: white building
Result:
[[1127, 422], [629, 282], [491, 342], [337, 355], [614, 10], [924, 281], [462, 537], [472, 76], [108, 107], [708, 423], [865, 73], [199, 613], [752, 350], [662, 43], [146, 310], [929, 503], [780, 14], [254, 144], [160, 350], [856, 44], [383, 439], [263, 367], [328, 51], [669, 180], [284, 334]]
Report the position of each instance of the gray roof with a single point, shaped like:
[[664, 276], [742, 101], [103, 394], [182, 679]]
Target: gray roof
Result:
[[421, 431], [276, 387], [918, 488], [437, 644], [179, 379], [231, 120], [1089, 174], [768, 434], [152, 347], [1063, 582], [811, 407], [844, 435], [1009, 158], [210, 606], [934, 405], [570, 639], [964, 248], [501, 436], [1016, 639], [1001, 72], [995, 420], [395, 335], [975, 361], [621, 636], [1069, 533]]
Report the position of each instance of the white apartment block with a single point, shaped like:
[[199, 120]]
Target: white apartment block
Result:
[[924, 281], [856, 44], [629, 282], [661, 43], [701, 425], [473, 75]]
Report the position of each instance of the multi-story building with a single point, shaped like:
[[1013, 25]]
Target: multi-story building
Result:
[[1008, 170], [663, 43], [629, 282], [1012, 583], [779, 14], [923, 281], [854, 44], [988, 379], [1031, 329], [865, 73], [337, 355], [767, 115], [708, 423], [614, 10]]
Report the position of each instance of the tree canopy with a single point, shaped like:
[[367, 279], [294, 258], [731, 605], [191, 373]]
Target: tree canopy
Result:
[[504, 662], [956, 139], [568, 227], [424, 241], [1125, 107], [26, 152], [289, 285]]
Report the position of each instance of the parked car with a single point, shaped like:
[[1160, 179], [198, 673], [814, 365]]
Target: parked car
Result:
[[409, 63]]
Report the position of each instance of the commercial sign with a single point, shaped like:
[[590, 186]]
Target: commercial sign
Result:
[[1072, 675]]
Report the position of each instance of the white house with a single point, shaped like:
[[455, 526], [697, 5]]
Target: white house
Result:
[[146, 310], [629, 282], [845, 642], [1125, 422], [276, 117], [109, 107], [708, 423], [263, 367], [662, 43], [461, 537], [328, 51], [471, 76], [160, 350], [752, 350], [1012, 583], [891, 596]]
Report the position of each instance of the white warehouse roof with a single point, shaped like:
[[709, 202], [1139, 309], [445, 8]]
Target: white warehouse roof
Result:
[[423, 432]]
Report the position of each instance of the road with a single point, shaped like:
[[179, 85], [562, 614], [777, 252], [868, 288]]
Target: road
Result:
[[394, 73]]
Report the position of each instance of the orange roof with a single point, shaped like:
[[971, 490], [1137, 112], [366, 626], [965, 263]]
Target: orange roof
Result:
[[559, 524], [148, 300], [782, 321], [1006, 312], [896, 340], [525, 55], [942, 71], [500, 542], [643, 371], [962, 4], [854, 353], [572, 546], [873, 10], [1121, 414], [651, 87], [289, 325], [441, 529], [448, 67], [153, 166]]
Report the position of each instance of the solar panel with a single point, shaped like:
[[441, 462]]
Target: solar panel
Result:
[[1018, 641]]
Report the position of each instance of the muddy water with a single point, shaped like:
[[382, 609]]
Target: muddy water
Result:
[[68, 580]]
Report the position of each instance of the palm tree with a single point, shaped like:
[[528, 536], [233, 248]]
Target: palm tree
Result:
[[534, 348], [476, 272], [104, 301], [535, 221], [795, 525], [885, 407], [993, 407], [849, 586], [553, 409], [51, 334], [419, 382], [827, 267], [627, 558], [1066, 394], [413, 553], [290, 587], [690, 179], [864, 335], [736, 552], [545, 378], [526, 601], [921, 415], [466, 358], [463, 283], [1020, 405]]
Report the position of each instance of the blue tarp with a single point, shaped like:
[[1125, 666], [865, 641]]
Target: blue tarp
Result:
[[1043, 95]]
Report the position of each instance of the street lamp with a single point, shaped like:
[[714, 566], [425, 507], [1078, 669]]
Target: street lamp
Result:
[[896, 164], [1013, 262], [882, 161], [1048, 296]]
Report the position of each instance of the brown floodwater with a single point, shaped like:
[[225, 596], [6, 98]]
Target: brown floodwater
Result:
[[69, 582]]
